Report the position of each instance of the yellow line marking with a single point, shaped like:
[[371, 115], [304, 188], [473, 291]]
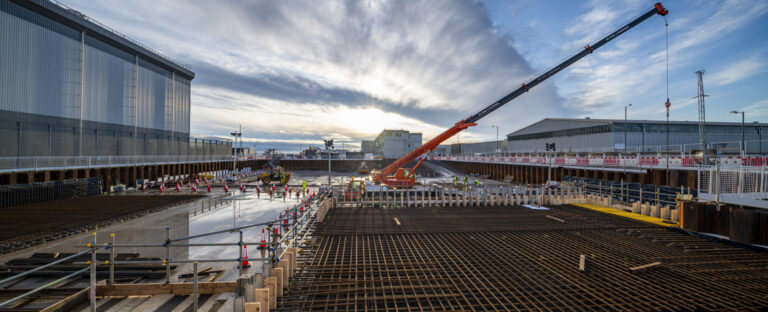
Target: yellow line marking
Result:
[[634, 216]]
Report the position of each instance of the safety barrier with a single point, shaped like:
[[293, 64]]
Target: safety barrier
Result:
[[24, 194]]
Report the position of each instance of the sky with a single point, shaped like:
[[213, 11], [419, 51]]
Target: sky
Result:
[[294, 72]]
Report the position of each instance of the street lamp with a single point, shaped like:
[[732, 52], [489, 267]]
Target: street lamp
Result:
[[743, 143], [236, 135], [497, 137], [329, 147], [625, 126]]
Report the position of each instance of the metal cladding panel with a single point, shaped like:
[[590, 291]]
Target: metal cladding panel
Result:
[[550, 124], [47, 68], [39, 64], [568, 143], [109, 84]]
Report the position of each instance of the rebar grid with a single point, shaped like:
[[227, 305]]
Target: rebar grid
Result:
[[365, 220], [526, 267]]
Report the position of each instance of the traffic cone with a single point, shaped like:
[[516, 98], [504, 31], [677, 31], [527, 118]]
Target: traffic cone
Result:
[[226, 189], [263, 239], [245, 256]]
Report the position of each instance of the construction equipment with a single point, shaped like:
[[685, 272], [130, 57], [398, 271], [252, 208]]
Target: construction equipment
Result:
[[355, 189], [274, 173], [363, 169], [396, 176]]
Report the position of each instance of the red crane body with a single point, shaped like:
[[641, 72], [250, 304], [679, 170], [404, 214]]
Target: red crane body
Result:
[[396, 176]]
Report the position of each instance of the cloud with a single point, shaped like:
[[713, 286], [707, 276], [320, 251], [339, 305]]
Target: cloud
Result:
[[738, 70], [757, 109], [417, 64], [634, 66]]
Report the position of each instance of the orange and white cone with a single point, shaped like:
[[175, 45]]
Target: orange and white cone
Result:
[[245, 256]]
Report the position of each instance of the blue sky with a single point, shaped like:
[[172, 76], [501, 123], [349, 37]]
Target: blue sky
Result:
[[293, 72]]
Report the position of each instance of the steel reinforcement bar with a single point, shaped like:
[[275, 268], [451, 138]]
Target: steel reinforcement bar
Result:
[[362, 260]]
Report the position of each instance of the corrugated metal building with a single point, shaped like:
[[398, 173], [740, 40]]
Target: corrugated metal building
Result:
[[478, 147], [393, 144], [580, 134], [72, 87]]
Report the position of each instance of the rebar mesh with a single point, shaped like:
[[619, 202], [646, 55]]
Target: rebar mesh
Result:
[[516, 259]]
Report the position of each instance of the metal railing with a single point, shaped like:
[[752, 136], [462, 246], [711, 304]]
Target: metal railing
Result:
[[296, 234], [36, 163], [91, 267]]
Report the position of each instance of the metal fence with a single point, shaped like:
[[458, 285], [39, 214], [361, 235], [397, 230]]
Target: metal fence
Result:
[[629, 193], [12, 164], [745, 182], [24, 194]]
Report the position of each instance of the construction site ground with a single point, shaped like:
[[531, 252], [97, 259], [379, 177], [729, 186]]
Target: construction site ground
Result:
[[518, 259], [25, 226]]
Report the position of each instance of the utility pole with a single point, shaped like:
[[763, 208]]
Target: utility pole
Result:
[[497, 138], [328, 147], [666, 149], [702, 120], [743, 142], [236, 135], [625, 126]]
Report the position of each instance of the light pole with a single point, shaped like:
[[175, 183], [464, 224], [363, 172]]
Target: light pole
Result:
[[236, 135], [625, 126], [328, 147], [743, 143], [497, 138]]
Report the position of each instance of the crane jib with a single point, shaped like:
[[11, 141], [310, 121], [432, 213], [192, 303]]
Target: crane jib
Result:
[[573, 59], [471, 120]]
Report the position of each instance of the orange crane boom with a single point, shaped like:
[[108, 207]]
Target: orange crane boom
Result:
[[396, 176]]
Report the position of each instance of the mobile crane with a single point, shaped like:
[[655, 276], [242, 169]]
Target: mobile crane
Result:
[[396, 176]]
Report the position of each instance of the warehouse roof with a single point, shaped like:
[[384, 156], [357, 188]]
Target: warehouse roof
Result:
[[552, 124]]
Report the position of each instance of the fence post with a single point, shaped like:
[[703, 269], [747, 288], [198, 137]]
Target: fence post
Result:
[[194, 298], [167, 254], [239, 258], [111, 259], [93, 273]]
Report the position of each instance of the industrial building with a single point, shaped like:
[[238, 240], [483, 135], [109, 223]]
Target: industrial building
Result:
[[392, 144], [478, 147], [570, 134], [70, 86]]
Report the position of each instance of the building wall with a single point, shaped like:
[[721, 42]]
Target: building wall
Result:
[[479, 147], [609, 135], [394, 144], [599, 140], [63, 92]]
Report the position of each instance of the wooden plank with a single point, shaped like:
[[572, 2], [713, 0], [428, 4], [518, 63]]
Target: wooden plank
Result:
[[284, 265], [262, 295], [123, 290], [271, 283], [70, 302], [644, 267], [555, 218], [583, 263], [253, 307], [279, 276]]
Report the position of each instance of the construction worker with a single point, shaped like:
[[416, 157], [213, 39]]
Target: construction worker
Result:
[[477, 182], [455, 180]]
